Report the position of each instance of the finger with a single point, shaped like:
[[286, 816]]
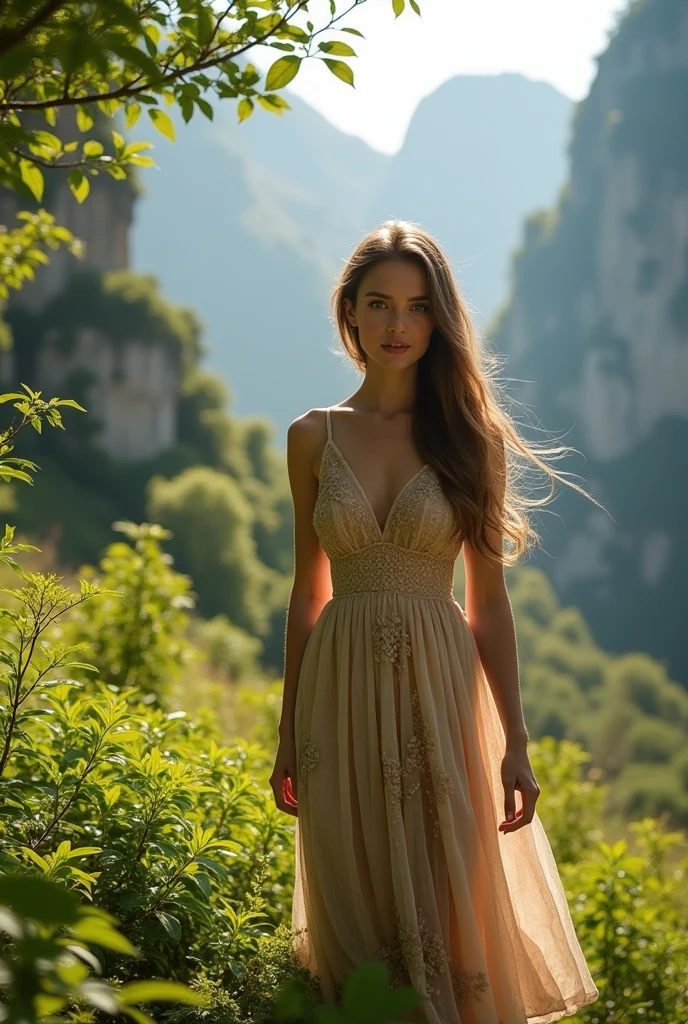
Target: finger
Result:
[[509, 800], [281, 798], [288, 790], [529, 798], [512, 826]]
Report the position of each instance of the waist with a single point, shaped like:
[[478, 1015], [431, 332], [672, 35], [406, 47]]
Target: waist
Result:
[[384, 566]]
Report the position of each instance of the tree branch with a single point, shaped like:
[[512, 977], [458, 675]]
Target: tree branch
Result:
[[127, 90]]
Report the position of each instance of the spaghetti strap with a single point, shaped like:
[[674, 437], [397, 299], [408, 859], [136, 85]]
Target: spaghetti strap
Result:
[[329, 425]]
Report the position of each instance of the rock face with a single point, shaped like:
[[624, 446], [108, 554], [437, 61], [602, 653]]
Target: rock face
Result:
[[134, 382], [597, 323], [133, 394]]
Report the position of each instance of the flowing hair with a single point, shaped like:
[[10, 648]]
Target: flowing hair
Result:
[[459, 426]]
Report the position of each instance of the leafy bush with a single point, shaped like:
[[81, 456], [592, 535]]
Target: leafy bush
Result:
[[47, 957]]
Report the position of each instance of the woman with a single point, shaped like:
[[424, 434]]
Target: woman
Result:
[[402, 737]]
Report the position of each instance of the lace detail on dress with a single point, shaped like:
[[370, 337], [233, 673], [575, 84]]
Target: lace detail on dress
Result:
[[404, 778], [384, 566], [336, 485], [391, 642], [419, 948], [347, 528], [427, 491], [308, 759]]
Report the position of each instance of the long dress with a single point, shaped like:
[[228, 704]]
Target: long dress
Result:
[[399, 747]]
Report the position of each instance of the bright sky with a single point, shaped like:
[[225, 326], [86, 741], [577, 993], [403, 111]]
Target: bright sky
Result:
[[401, 61]]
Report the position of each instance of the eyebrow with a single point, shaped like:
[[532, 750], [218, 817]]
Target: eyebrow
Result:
[[381, 295]]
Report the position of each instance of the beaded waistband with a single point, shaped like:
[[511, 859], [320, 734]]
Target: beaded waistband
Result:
[[384, 566]]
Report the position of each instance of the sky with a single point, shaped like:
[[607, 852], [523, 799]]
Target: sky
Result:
[[402, 60]]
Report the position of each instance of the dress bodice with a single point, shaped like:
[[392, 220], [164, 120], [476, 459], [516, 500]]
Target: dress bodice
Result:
[[420, 537]]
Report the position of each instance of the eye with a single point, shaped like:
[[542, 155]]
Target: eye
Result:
[[424, 307], [374, 301]]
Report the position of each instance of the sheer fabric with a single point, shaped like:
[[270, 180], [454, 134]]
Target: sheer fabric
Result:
[[399, 747]]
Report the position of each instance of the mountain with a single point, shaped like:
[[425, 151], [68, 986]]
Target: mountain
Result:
[[597, 322], [249, 223], [480, 153]]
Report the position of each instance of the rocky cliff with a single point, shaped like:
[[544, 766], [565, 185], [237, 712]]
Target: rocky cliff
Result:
[[597, 324]]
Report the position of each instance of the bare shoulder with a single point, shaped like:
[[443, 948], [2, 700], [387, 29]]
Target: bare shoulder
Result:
[[305, 439]]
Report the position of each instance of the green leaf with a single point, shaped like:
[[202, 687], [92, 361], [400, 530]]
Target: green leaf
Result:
[[353, 31], [132, 114], [415, 7], [83, 851], [7, 473], [337, 49], [36, 858], [71, 403], [94, 929], [137, 1015], [32, 178], [162, 122], [83, 119], [79, 184], [206, 108], [244, 108], [398, 7], [93, 148], [38, 899], [272, 103], [170, 924], [282, 72], [340, 70], [159, 991]]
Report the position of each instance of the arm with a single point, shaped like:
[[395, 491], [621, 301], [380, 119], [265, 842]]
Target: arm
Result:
[[490, 617], [311, 590]]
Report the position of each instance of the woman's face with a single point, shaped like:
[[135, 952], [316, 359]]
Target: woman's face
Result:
[[392, 308]]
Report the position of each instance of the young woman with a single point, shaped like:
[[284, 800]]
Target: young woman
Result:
[[402, 742]]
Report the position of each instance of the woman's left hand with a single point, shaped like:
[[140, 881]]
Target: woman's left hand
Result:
[[517, 773]]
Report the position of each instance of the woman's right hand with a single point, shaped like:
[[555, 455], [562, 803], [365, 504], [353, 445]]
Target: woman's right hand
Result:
[[283, 778]]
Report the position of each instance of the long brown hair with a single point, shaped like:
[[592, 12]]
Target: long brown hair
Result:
[[459, 425]]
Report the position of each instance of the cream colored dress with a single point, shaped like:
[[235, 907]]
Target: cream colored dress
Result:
[[399, 748]]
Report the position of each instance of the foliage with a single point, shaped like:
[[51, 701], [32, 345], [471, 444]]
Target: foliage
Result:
[[123, 306], [572, 801], [152, 817], [28, 658], [34, 410], [211, 522], [116, 56], [47, 968], [136, 630], [631, 914], [229, 649], [624, 710], [22, 250]]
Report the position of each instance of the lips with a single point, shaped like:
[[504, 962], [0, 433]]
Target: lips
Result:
[[395, 348]]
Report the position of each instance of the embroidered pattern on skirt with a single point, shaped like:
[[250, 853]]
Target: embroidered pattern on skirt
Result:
[[404, 778], [391, 642], [308, 759], [419, 948]]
